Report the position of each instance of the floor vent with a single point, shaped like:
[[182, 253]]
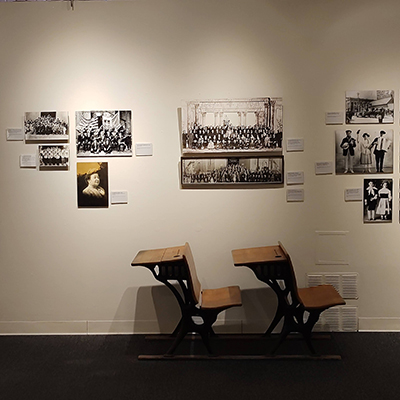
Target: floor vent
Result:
[[338, 319]]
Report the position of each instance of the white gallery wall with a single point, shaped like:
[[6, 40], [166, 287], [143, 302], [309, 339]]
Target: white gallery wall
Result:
[[67, 270]]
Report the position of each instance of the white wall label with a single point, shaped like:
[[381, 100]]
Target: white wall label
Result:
[[323, 167], [144, 149], [334, 118], [27, 160], [295, 178], [119, 197], [295, 195], [353, 194], [15, 134], [295, 145]]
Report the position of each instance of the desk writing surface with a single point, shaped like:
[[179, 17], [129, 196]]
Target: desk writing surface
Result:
[[156, 256], [173, 254], [258, 255]]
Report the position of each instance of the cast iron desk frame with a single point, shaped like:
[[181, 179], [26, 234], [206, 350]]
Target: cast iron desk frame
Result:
[[272, 265], [169, 265]]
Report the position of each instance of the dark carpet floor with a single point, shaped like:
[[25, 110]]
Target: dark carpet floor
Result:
[[106, 367]]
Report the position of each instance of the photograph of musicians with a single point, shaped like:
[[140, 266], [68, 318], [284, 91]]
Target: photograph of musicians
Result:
[[348, 144], [382, 145]]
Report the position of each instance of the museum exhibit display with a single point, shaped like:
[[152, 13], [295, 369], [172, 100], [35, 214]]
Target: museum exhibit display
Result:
[[237, 114]]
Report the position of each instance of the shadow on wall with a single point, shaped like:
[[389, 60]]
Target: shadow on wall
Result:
[[157, 311], [259, 306]]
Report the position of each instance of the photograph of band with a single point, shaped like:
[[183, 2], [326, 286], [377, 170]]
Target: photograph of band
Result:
[[370, 107], [46, 126], [218, 126], [53, 157], [378, 199], [232, 171], [364, 151], [92, 179], [103, 133]]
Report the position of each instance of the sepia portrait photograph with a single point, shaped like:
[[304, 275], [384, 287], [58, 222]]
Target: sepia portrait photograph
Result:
[[378, 199], [103, 133], [369, 107], [364, 151], [232, 171], [218, 126], [92, 179], [53, 157], [46, 126]]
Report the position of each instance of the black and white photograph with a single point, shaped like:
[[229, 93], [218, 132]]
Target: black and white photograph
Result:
[[220, 126], [364, 151], [92, 184], [53, 157], [378, 196], [232, 171], [46, 126], [103, 133], [369, 107]]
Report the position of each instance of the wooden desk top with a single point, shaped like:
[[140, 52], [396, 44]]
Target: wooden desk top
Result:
[[258, 255], [157, 256]]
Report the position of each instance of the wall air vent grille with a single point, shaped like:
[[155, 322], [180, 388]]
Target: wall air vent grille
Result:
[[345, 283]]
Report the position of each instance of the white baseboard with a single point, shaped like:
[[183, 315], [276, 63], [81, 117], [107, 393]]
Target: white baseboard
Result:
[[123, 327], [152, 327], [117, 327], [366, 324], [43, 328]]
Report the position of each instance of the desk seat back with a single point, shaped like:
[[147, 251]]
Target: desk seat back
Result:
[[193, 280], [292, 282]]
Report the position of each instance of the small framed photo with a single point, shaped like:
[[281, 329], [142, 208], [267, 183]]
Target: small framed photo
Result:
[[369, 107], [46, 126], [92, 180], [53, 157], [231, 171], [378, 200]]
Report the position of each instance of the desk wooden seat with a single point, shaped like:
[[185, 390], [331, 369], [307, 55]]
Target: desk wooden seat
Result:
[[177, 264], [220, 299], [299, 308], [317, 297]]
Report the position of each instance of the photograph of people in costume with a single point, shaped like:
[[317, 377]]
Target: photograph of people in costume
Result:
[[54, 157], [378, 199], [370, 107], [364, 151], [232, 171], [103, 133], [46, 126], [218, 126], [92, 184]]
